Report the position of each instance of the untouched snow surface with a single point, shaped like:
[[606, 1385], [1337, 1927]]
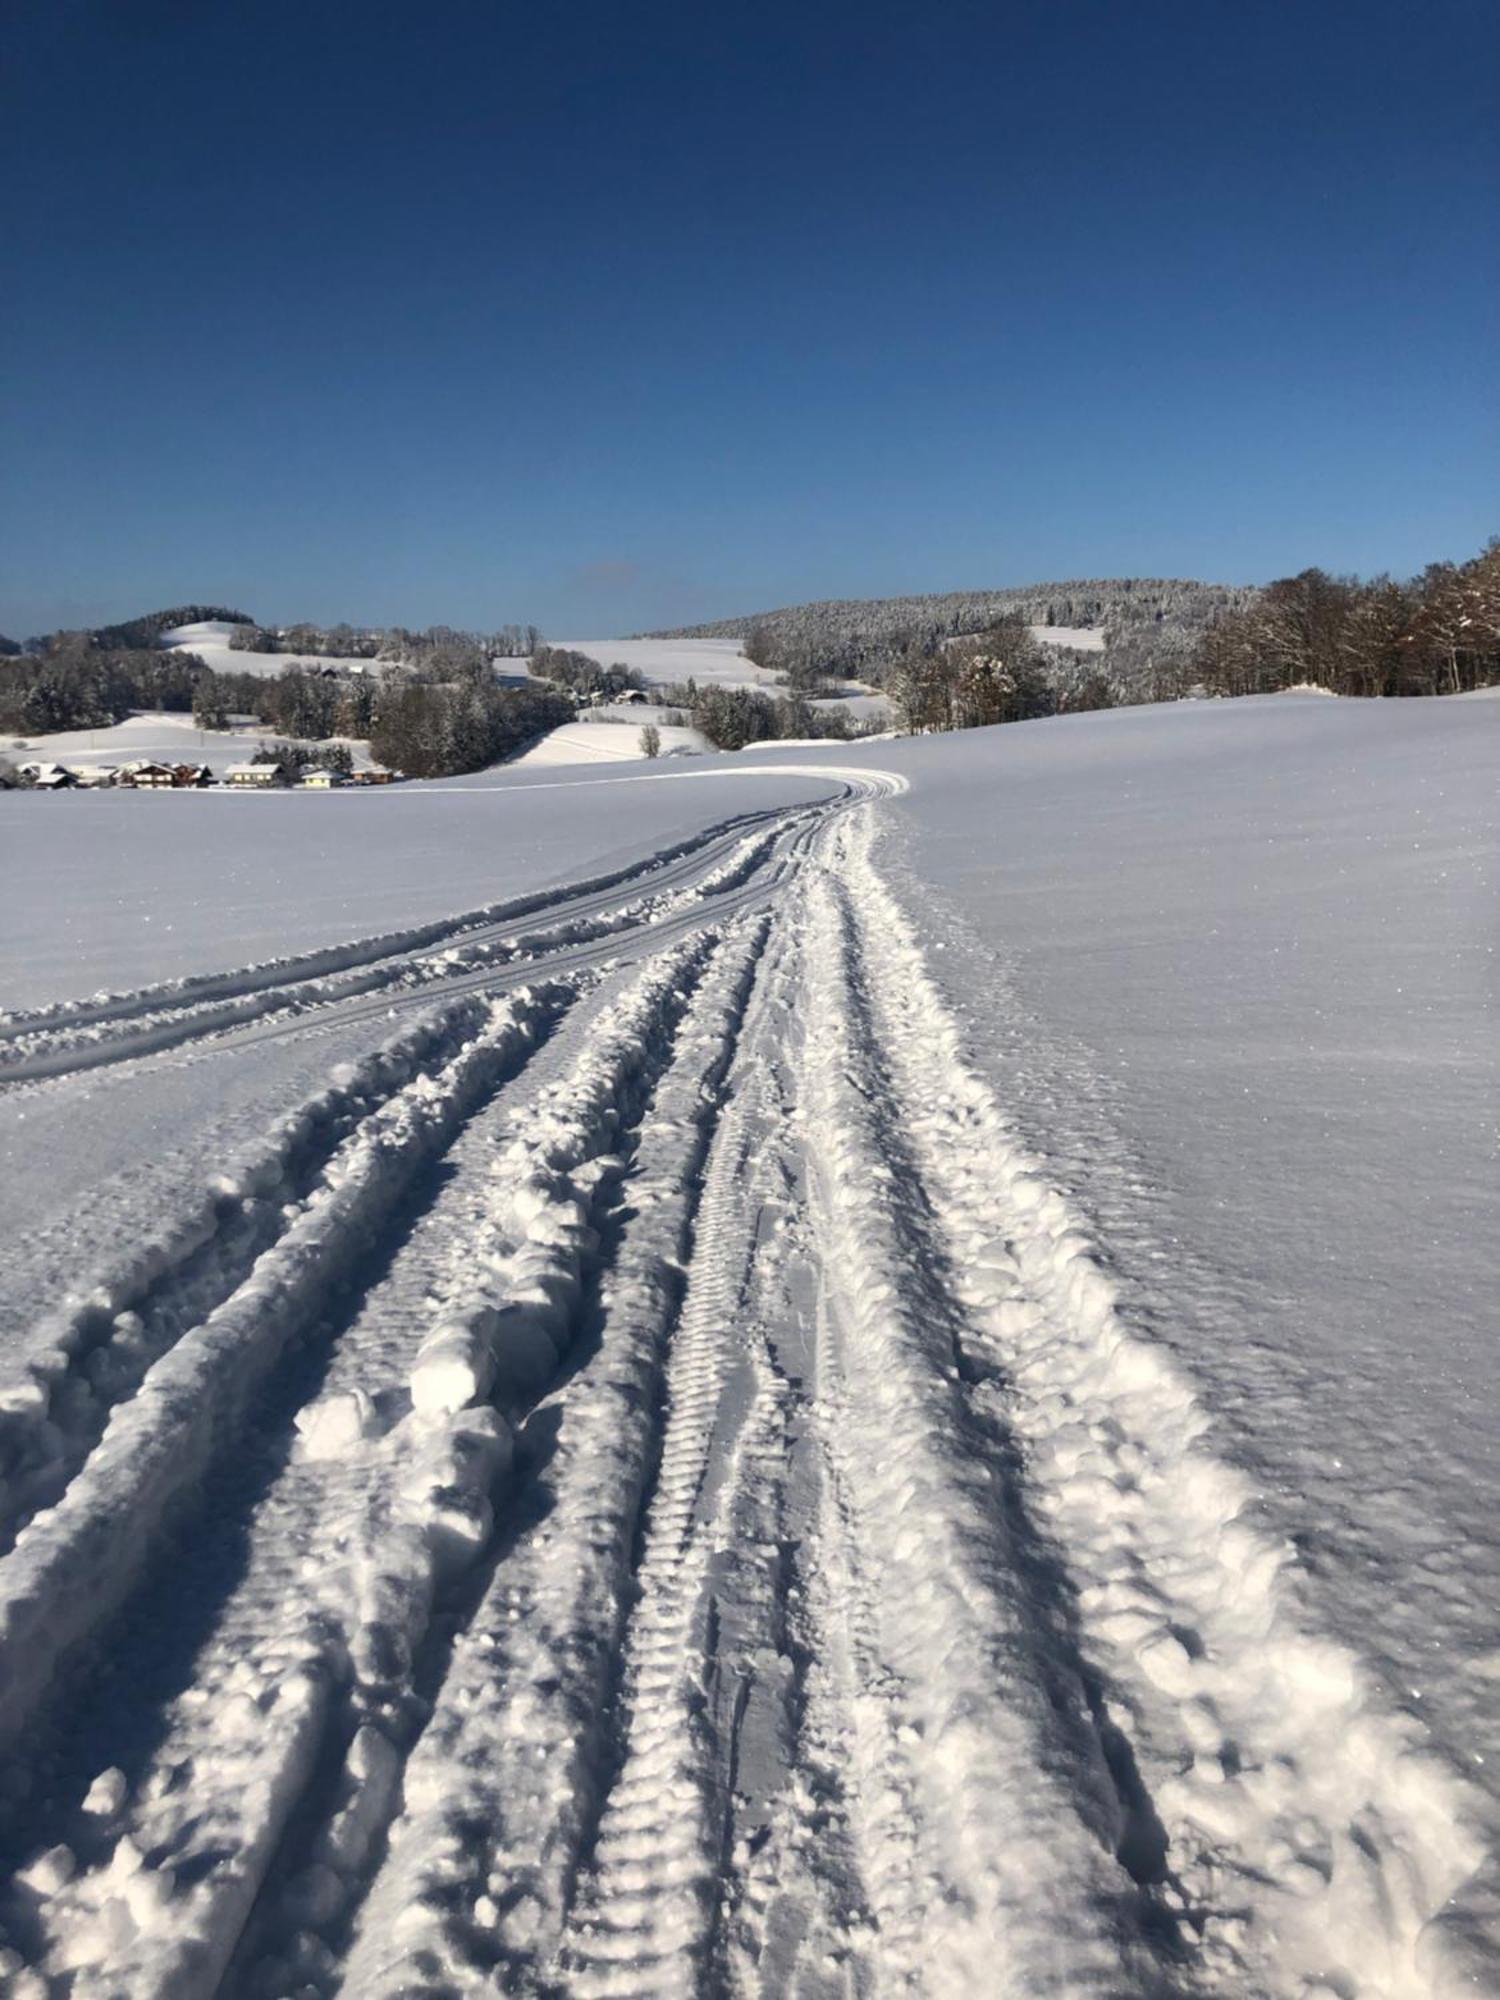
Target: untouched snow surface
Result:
[[727, 1382]]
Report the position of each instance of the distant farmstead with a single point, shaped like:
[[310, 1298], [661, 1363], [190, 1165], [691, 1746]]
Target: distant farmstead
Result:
[[321, 781]]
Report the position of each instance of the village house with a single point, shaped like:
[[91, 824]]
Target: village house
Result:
[[320, 780], [255, 777], [47, 777], [147, 777]]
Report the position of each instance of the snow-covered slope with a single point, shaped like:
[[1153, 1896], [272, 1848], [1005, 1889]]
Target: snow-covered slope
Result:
[[152, 737], [713, 662], [662, 662], [888, 1390], [202, 631], [210, 637], [609, 742], [1083, 638]]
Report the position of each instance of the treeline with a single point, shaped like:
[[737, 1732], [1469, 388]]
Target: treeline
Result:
[[1001, 675], [299, 757], [346, 642], [130, 636], [581, 674], [414, 722], [45, 694], [139, 633], [1436, 634], [82, 687], [732, 718], [432, 729], [438, 648], [297, 703]]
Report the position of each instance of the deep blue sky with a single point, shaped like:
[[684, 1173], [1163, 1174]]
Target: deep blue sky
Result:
[[613, 315]]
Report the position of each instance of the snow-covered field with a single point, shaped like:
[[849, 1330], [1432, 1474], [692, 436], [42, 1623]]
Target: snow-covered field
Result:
[[728, 1382], [661, 662], [610, 741], [1083, 638], [109, 889], [153, 738]]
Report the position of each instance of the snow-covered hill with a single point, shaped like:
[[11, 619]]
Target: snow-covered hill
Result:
[[858, 1370], [209, 639]]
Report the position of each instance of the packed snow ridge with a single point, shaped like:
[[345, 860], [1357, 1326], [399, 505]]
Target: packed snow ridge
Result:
[[641, 1481]]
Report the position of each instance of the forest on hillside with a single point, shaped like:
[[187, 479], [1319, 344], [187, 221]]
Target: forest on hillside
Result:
[[858, 637]]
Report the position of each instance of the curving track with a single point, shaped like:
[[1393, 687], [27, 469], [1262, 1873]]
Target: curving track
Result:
[[640, 1487]]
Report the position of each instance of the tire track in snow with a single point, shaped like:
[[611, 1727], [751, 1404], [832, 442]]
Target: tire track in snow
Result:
[[868, 1609], [979, 1808], [62, 1042], [667, 864], [74, 1563], [645, 1914], [951, 1769], [88, 1357], [379, 1507], [1313, 1844], [500, 1790]]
